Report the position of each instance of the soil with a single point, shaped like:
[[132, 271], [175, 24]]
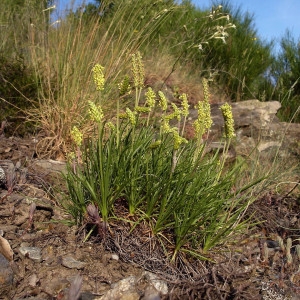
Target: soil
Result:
[[255, 267]]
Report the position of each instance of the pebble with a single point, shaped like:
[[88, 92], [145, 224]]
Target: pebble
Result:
[[115, 257], [2, 176], [33, 280], [72, 263], [33, 253]]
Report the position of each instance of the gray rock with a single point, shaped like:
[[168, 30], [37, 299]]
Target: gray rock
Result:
[[248, 115], [72, 263], [151, 293], [131, 288], [124, 289], [267, 145], [257, 127], [33, 253], [52, 166], [2, 176], [159, 284]]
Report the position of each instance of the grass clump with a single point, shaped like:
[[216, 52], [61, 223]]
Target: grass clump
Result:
[[188, 198]]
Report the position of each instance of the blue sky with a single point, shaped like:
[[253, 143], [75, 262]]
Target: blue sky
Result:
[[271, 17]]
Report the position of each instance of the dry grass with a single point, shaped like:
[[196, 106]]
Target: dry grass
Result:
[[63, 57]]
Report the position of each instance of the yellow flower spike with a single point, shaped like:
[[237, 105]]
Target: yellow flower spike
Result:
[[77, 136], [110, 125], [71, 156], [123, 116], [150, 98], [142, 109], [207, 120], [163, 102], [95, 112], [131, 116], [177, 112], [178, 140], [228, 120], [124, 86], [138, 70], [184, 104], [205, 90], [98, 76], [199, 129], [165, 126], [204, 120]]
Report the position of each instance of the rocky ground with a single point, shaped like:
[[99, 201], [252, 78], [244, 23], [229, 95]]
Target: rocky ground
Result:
[[41, 257]]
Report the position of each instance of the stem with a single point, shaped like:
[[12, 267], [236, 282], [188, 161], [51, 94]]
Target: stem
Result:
[[132, 173], [198, 148], [118, 122], [224, 154], [103, 179], [183, 126], [174, 161], [138, 92], [148, 118]]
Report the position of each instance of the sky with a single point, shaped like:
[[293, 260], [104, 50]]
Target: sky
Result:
[[271, 17]]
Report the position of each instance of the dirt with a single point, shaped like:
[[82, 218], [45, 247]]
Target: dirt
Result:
[[252, 268]]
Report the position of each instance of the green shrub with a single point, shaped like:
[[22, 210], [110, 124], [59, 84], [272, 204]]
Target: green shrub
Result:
[[286, 74]]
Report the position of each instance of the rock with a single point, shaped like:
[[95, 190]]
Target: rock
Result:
[[33, 280], [254, 111], [244, 144], [6, 277], [72, 263], [115, 257], [250, 115], [147, 285], [132, 288], [159, 284], [151, 293], [2, 177], [122, 290], [5, 249], [33, 253], [256, 126], [266, 145], [52, 166], [75, 288]]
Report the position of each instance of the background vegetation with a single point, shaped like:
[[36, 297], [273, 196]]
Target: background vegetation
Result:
[[48, 59], [46, 73]]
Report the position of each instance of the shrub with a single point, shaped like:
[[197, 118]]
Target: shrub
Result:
[[286, 74]]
